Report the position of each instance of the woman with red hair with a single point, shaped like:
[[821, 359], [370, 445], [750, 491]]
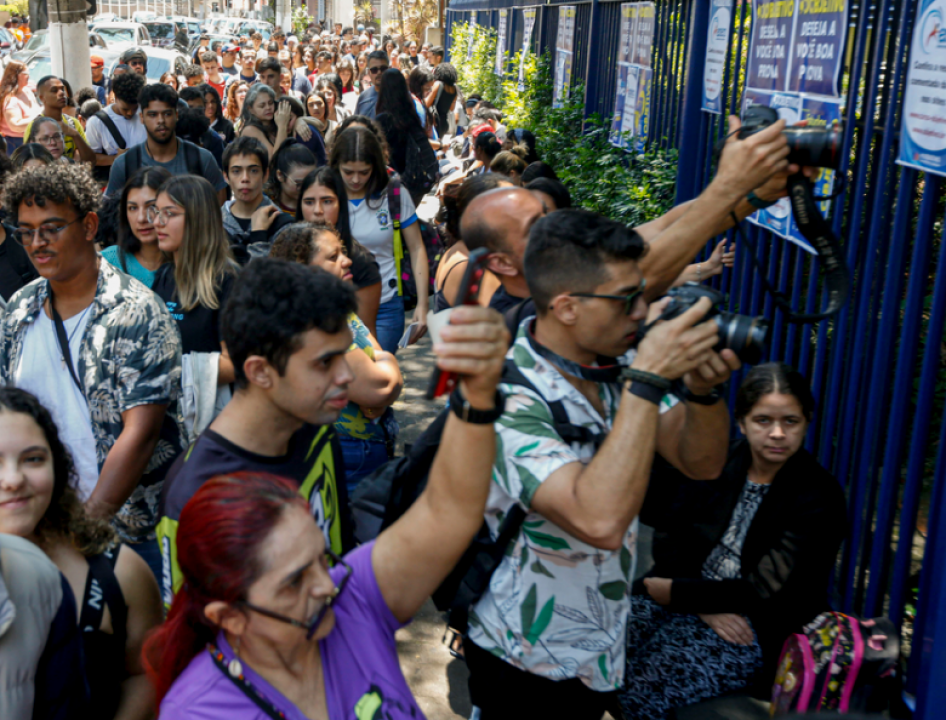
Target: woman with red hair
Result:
[[270, 624]]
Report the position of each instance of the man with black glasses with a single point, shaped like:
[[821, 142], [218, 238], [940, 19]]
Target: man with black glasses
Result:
[[367, 102], [98, 349]]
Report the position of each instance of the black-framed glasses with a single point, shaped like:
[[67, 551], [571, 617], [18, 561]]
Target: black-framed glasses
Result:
[[311, 626], [48, 233], [378, 69], [629, 300]]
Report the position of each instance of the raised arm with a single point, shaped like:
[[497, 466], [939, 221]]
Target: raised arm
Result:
[[413, 556], [597, 502]]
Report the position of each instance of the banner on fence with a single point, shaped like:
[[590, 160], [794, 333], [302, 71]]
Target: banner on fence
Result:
[[795, 57], [501, 41], [923, 129], [631, 121], [472, 28], [717, 46], [564, 54], [528, 16]]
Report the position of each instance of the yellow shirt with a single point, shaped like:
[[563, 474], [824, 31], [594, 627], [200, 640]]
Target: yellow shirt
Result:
[[70, 151]]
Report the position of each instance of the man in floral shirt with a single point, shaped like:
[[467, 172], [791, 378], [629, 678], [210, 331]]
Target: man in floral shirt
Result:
[[113, 396], [548, 637]]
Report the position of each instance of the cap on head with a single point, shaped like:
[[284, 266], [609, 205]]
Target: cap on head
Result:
[[230, 49], [97, 61]]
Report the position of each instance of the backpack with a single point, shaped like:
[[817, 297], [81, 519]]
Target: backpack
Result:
[[837, 663], [134, 158], [406, 286], [421, 167], [386, 494]]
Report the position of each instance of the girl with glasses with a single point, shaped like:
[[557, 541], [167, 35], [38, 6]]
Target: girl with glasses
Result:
[[196, 283], [137, 253], [46, 131], [289, 166]]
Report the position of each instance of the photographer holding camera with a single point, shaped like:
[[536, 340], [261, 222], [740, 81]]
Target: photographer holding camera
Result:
[[547, 637]]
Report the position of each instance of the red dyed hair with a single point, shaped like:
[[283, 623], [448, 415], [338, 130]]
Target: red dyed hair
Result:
[[219, 536]]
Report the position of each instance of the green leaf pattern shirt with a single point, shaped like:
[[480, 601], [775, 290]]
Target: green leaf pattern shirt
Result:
[[556, 606]]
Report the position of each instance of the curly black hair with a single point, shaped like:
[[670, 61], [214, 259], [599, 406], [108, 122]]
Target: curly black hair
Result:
[[127, 87], [56, 183], [65, 517], [297, 242], [272, 303]]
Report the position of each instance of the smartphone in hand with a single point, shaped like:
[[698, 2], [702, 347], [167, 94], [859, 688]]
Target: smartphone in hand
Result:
[[444, 382]]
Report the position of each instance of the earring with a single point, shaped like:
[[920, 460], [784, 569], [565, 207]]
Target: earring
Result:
[[234, 667], [331, 598]]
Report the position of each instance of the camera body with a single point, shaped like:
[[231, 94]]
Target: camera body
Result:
[[745, 335], [811, 147]]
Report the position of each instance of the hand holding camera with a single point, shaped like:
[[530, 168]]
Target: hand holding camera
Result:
[[750, 161], [673, 347]]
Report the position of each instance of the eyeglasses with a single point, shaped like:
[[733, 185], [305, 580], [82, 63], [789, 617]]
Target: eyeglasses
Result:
[[629, 300], [161, 217], [311, 626], [51, 139], [48, 233], [377, 69]]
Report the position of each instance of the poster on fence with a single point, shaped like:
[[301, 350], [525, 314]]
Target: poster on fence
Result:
[[795, 56], [717, 45], [472, 40], [631, 120], [528, 16], [501, 41], [923, 125], [564, 54]]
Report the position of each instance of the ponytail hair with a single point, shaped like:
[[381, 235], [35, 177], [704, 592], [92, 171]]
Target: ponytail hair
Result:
[[221, 531]]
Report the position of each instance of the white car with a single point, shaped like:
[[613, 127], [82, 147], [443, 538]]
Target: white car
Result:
[[191, 25], [141, 16], [106, 17], [160, 61], [122, 35]]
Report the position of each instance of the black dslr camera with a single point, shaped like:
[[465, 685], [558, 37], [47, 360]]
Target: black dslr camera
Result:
[[745, 335], [811, 147]]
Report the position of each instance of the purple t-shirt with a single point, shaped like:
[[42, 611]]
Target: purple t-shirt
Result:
[[359, 657]]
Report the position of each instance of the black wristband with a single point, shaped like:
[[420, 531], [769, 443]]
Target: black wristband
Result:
[[646, 391], [711, 399], [758, 202], [647, 378], [463, 410]]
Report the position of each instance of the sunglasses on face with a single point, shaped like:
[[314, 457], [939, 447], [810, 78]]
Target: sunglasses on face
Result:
[[310, 626], [629, 300], [376, 70]]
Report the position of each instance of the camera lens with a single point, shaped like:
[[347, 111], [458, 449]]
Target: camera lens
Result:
[[746, 336], [815, 147]]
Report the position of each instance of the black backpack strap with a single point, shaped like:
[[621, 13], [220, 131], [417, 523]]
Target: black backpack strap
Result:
[[101, 590], [112, 128], [192, 158]]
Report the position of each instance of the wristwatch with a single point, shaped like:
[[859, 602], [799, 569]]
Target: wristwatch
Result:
[[469, 414]]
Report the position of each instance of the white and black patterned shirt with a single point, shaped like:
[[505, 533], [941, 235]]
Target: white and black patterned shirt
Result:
[[724, 562]]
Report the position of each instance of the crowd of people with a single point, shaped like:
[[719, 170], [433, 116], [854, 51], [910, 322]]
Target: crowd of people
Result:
[[206, 282]]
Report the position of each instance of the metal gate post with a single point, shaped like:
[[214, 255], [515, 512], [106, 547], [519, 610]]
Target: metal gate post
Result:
[[689, 175]]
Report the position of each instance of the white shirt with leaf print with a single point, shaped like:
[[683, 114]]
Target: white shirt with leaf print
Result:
[[555, 606]]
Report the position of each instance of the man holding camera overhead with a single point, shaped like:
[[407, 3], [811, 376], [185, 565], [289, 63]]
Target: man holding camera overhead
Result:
[[578, 435]]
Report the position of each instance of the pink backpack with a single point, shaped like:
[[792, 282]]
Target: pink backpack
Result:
[[837, 663]]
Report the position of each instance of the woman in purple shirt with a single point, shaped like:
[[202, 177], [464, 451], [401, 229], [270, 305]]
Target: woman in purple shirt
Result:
[[268, 624]]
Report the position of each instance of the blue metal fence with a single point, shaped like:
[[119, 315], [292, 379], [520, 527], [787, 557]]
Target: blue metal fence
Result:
[[876, 366]]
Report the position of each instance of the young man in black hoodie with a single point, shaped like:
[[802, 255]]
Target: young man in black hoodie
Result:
[[251, 219]]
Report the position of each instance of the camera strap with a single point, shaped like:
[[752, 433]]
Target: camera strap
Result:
[[817, 231], [610, 373]]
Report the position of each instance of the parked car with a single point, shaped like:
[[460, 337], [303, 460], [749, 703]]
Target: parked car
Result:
[[142, 16], [162, 32], [106, 17], [191, 25], [40, 40], [122, 35], [40, 63]]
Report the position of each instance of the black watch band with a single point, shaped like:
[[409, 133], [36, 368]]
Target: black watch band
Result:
[[463, 410], [712, 398], [646, 391]]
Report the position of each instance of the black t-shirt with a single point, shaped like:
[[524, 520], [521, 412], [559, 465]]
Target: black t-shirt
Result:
[[200, 327], [16, 270], [502, 301]]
